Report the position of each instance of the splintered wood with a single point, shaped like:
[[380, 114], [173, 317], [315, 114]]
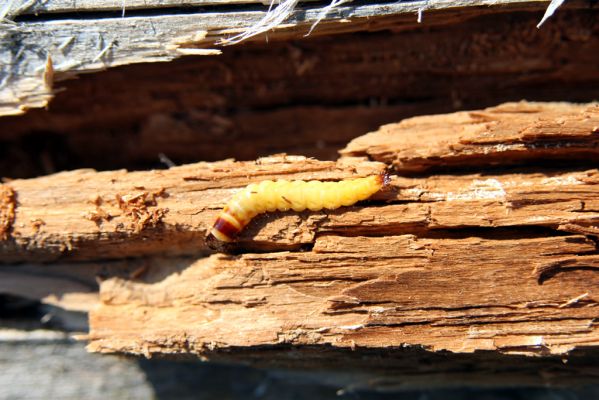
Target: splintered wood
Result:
[[86, 215], [502, 261], [99, 41], [503, 135], [459, 295]]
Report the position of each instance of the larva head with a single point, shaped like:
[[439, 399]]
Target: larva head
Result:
[[225, 229], [384, 178], [215, 244]]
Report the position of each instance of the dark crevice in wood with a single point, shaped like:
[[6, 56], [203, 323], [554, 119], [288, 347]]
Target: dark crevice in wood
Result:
[[173, 10], [557, 269]]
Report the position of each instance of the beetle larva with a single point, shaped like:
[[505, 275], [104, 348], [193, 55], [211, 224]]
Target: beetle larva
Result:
[[284, 195]]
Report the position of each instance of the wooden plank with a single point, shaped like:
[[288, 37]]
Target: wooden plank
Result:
[[162, 282], [28, 7], [35, 54], [170, 305], [230, 105], [155, 212]]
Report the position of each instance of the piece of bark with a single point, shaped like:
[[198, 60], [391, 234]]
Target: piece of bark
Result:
[[459, 295], [512, 133]]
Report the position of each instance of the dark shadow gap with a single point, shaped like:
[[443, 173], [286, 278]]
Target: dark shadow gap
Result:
[[184, 10]]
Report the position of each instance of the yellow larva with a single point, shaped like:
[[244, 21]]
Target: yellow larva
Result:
[[283, 195]]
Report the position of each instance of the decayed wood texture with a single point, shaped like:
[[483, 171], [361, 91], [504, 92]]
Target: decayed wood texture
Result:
[[88, 215], [299, 89], [508, 134], [504, 262], [536, 295], [27, 7], [37, 52]]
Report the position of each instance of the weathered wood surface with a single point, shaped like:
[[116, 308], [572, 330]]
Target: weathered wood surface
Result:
[[28, 7], [86, 215], [89, 215], [508, 134], [34, 54], [299, 90], [502, 261], [534, 295]]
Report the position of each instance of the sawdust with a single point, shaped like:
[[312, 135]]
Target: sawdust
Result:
[[139, 208], [7, 211]]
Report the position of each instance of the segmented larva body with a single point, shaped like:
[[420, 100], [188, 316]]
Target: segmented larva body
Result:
[[283, 195]]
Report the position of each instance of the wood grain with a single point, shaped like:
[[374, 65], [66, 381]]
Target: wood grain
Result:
[[25, 7], [513, 133], [460, 295], [87, 215], [81, 45], [457, 268], [196, 108]]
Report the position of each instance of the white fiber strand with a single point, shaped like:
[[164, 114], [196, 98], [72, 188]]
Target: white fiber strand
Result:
[[551, 8], [272, 19]]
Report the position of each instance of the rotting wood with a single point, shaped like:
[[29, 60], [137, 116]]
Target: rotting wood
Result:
[[170, 285], [87, 215], [512, 133], [460, 295], [504, 263], [88, 45], [299, 89], [92, 215], [7, 211]]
